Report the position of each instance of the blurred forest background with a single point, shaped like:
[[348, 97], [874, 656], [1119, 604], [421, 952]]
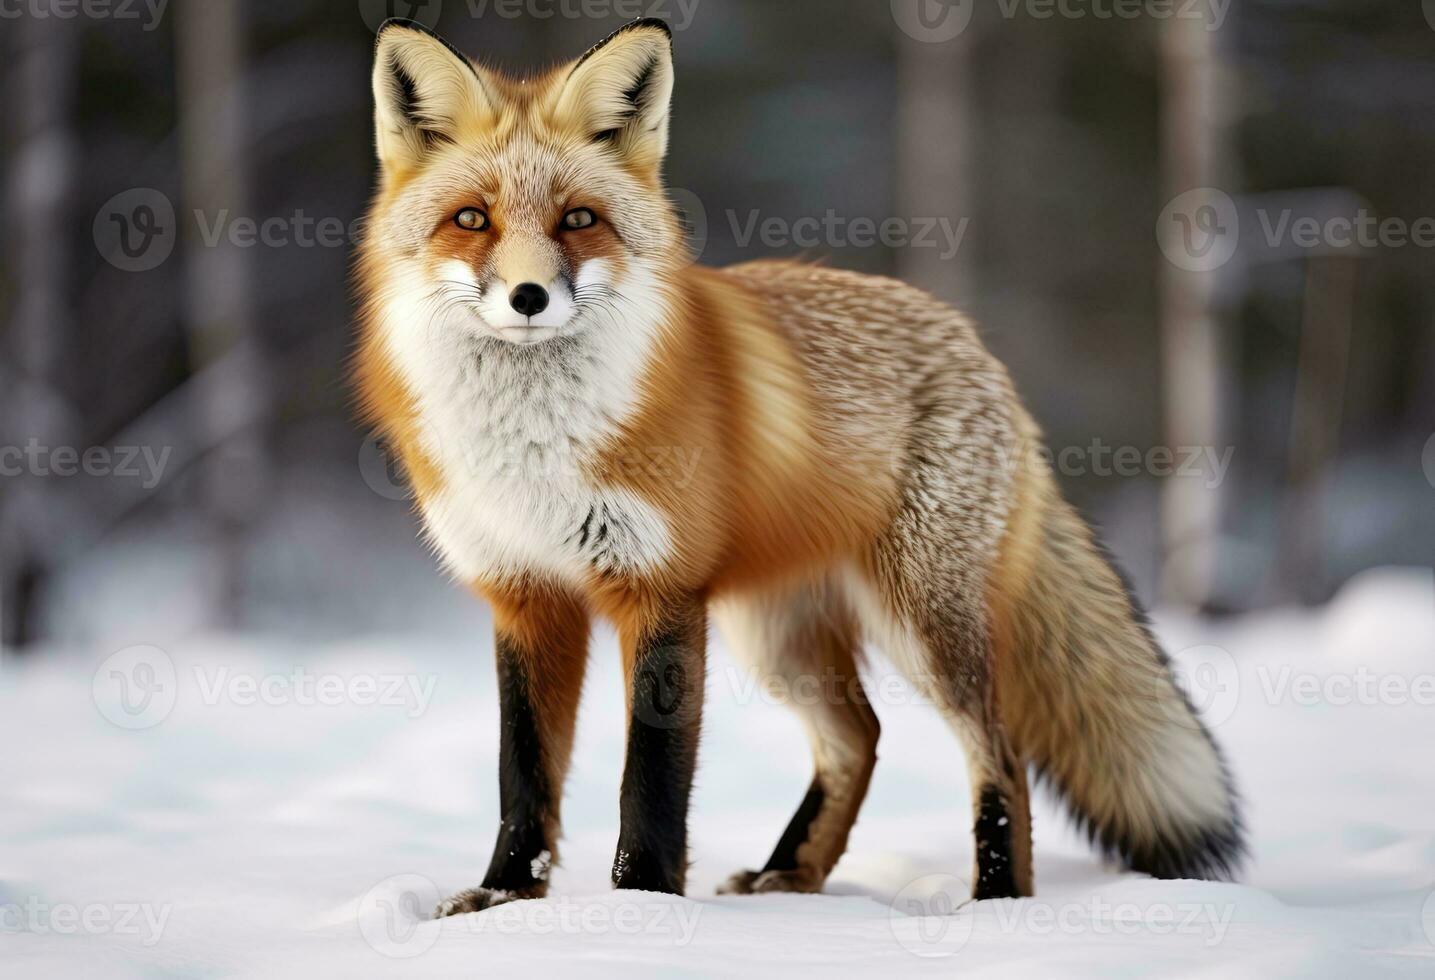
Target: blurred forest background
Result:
[[1055, 143]]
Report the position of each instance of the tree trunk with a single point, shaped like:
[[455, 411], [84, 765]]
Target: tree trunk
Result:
[[218, 309], [1192, 137], [43, 55]]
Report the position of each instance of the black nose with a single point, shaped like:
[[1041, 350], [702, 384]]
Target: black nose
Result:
[[530, 299]]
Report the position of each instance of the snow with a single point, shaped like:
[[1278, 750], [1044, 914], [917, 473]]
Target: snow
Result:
[[265, 806]]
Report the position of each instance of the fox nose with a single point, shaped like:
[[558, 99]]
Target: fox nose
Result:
[[529, 298]]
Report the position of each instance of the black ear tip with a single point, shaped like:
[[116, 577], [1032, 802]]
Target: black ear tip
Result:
[[657, 22], [642, 23], [405, 23]]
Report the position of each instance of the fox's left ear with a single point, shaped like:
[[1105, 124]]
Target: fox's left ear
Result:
[[619, 93]]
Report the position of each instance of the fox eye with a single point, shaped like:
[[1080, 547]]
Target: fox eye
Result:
[[579, 218], [471, 219]]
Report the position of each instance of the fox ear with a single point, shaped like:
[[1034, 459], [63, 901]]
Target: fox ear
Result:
[[425, 93], [619, 93]]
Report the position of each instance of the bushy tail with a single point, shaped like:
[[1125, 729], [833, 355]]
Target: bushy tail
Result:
[[1089, 700]]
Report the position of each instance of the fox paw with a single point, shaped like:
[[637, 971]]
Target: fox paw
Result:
[[760, 882], [473, 900]]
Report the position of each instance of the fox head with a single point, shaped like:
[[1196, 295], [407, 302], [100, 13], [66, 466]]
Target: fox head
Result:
[[522, 209]]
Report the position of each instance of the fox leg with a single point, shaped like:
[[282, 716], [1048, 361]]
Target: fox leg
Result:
[[805, 643], [945, 651], [1001, 805], [664, 661], [541, 652]]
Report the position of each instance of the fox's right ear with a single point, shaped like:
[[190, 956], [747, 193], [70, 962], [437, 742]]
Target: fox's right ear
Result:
[[425, 93]]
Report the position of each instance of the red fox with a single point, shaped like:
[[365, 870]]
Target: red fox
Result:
[[855, 467]]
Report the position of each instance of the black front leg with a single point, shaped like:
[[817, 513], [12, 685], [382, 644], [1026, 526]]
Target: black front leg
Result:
[[542, 648], [665, 661], [523, 851]]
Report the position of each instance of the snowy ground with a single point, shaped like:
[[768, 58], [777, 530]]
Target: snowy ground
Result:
[[256, 806]]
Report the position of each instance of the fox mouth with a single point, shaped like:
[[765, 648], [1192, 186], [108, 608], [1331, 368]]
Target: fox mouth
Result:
[[524, 336]]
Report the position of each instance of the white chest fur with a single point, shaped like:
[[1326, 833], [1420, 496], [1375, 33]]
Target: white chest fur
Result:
[[511, 430]]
